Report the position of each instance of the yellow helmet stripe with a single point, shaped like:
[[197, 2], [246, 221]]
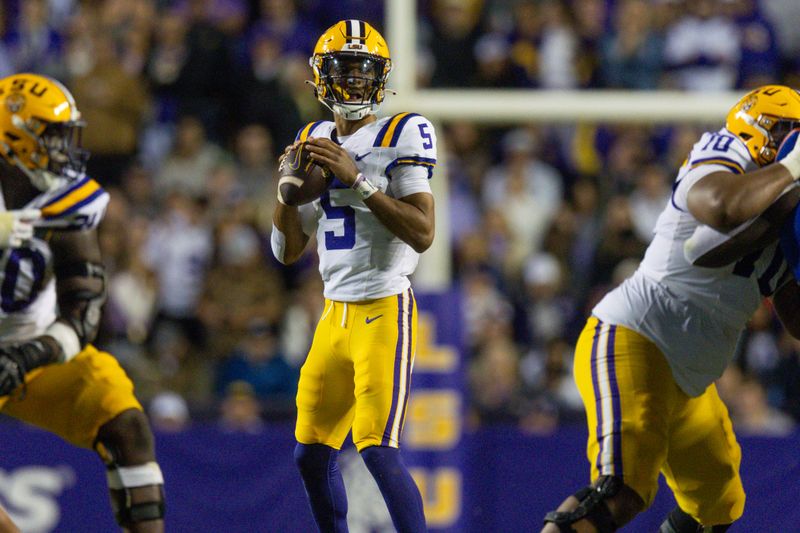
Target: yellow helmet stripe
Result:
[[75, 197]]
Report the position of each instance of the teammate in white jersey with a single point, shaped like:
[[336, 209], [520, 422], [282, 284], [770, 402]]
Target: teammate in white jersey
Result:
[[370, 228], [646, 362], [52, 287]]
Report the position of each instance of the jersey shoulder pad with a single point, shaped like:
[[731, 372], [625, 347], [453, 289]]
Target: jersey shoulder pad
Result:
[[321, 128], [79, 205], [720, 148], [414, 139]]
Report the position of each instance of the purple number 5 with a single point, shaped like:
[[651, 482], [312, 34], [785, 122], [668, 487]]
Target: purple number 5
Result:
[[423, 132]]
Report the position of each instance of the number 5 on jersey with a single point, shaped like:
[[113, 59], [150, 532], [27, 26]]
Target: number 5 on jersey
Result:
[[347, 214]]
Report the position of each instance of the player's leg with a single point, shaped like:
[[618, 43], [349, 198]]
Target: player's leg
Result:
[[134, 478], [702, 467], [626, 386], [383, 347], [89, 402], [398, 488], [324, 415]]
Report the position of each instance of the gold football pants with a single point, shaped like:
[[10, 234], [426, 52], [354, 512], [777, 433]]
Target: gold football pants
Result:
[[358, 373], [75, 398], [641, 423]]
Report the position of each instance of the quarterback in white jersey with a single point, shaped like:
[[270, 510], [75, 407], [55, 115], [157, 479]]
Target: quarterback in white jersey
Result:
[[370, 225], [361, 259], [647, 359], [52, 288]]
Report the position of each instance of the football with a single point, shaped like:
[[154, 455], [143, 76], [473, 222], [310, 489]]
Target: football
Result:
[[301, 179]]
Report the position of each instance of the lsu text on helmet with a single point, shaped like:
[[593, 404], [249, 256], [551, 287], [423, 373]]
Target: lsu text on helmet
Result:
[[762, 118], [40, 129], [351, 63]]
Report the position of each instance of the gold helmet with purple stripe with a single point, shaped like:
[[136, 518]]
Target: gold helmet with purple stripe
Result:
[[351, 64]]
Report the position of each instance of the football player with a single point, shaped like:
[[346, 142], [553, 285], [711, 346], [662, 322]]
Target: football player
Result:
[[370, 227], [647, 359], [51, 294]]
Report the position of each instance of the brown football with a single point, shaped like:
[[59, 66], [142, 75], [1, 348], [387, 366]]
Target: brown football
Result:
[[301, 180]]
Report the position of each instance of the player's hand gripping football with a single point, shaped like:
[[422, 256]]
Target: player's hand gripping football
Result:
[[334, 157], [16, 227]]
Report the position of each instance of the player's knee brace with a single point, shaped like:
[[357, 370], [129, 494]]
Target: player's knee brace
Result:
[[592, 507], [137, 492]]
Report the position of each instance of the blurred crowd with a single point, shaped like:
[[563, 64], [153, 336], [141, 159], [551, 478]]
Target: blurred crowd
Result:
[[190, 102]]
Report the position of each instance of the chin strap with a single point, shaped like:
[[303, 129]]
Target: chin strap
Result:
[[343, 110]]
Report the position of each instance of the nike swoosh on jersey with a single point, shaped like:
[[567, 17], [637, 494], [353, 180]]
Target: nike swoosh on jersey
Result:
[[373, 319], [362, 156]]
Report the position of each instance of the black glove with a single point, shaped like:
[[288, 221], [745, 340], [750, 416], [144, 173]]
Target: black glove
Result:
[[16, 360]]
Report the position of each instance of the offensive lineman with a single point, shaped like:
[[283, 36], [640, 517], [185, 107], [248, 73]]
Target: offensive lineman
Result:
[[52, 287], [371, 227], [647, 359]]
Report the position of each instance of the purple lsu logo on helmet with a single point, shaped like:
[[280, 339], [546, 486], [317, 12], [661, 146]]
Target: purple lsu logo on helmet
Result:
[[788, 144]]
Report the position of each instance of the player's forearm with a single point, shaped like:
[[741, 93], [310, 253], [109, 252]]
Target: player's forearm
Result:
[[410, 219], [724, 201], [287, 220]]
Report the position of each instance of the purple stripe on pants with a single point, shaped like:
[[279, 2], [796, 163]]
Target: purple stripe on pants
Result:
[[398, 357]]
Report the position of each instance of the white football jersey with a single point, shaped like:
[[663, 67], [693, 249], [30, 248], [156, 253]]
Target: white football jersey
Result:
[[693, 314], [359, 258], [27, 286]]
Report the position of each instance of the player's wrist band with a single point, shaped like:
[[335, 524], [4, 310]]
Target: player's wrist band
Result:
[[363, 187]]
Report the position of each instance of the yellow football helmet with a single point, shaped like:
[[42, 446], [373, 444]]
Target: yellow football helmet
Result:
[[40, 129], [762, 118], [351, 64]]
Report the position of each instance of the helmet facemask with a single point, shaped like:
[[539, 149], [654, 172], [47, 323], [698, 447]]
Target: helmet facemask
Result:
[[59, 152], [350, 84], [778, 129]]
